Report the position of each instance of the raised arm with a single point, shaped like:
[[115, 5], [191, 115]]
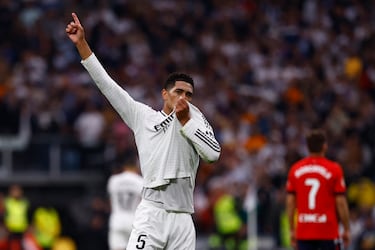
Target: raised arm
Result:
[[121, 101], [76, 33]]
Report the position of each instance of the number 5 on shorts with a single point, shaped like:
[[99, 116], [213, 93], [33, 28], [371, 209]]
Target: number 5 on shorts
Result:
[[141, 242]]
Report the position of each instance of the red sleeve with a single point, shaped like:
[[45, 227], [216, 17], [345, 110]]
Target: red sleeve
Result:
[[339, 185]]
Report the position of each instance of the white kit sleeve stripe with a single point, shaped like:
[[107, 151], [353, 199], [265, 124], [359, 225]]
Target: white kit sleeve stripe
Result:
[[212, 144]]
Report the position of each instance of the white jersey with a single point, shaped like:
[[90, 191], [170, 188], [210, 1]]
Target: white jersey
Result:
[[124, 191], [166, 149]]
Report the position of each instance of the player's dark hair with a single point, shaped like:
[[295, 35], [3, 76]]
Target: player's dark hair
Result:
[[176, 76], [315, 141]]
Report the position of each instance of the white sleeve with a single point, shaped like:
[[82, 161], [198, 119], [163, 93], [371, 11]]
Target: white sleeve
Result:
[[201, 134], [121, 101]]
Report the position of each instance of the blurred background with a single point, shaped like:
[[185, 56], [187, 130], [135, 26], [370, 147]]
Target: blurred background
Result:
[[265, 71]]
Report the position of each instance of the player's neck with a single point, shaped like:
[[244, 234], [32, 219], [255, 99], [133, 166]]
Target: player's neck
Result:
[[316, 154], [167, 110], [132, 170]]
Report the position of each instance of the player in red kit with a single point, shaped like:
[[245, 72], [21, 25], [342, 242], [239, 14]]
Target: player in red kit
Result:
[[316, 201]]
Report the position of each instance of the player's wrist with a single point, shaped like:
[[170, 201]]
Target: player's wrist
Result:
[[81, 43], [83, 49]]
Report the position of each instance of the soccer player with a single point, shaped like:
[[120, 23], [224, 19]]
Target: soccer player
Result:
[[170, 143], [316, 191], [124, 191]]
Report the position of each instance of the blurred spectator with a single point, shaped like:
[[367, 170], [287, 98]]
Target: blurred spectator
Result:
[[46, 226], [366, 240], [362, 194], [11, 108], [90, 127], [356, 226], [17, 216], [230, 231]]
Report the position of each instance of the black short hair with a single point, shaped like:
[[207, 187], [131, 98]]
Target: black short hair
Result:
[[176, 76], [315, 140]]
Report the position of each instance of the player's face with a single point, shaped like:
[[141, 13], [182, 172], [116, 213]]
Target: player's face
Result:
[[180, 90]]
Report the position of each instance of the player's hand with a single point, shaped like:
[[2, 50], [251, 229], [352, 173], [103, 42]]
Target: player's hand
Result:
[[346, 238], [182, 111], [293, 241], [74, 30]]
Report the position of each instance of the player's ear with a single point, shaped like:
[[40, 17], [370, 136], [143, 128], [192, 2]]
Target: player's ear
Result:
[[164, 94], [325, 148]]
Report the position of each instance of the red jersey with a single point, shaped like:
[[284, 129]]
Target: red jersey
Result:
[[316, 181]]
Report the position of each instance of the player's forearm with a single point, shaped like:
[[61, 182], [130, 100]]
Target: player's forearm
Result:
[[203, 140], [84, 49], [207, 153], [290, 208], [120, 100], [343, 211]]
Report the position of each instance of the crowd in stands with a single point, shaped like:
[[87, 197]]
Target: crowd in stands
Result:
[[265, 71]]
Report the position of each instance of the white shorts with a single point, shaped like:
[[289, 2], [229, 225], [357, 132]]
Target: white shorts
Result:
[[118, 239], [155, 228]]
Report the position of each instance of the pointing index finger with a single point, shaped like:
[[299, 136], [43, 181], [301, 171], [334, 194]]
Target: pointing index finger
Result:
[[75, 18]]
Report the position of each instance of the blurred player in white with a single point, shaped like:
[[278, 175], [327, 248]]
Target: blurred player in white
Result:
[[170, 144], [124, 189]]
